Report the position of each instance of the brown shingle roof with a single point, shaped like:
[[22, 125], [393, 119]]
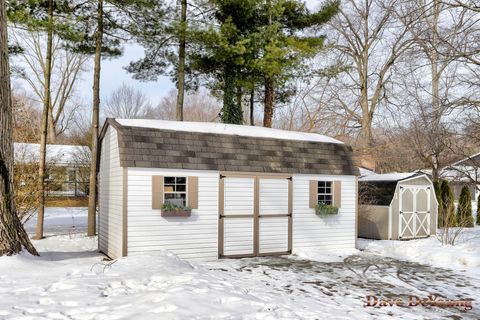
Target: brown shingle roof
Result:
[[160, 148]]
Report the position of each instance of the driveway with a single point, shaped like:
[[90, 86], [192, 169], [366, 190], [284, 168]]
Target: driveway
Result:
[[347, 283]]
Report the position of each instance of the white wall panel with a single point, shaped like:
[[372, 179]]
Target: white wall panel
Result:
[[273, 235], [238, 195], [194, 237], [314, 232], [273, 196], [110, 197], [238, 236]]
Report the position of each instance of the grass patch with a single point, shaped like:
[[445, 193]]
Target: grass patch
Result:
[[66, 202]]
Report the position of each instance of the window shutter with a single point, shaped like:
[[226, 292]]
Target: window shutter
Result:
[[157, 192], [313, 193], [192, 192], [337, 194]]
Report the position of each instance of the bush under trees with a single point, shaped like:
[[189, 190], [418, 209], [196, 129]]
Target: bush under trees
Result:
[[446, 207], [464, 210]]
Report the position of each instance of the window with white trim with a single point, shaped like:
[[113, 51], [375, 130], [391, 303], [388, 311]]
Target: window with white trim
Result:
[[175, 190], [325, 192]]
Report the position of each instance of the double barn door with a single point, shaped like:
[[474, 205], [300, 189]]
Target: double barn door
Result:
[[414, 212], [255, 215]]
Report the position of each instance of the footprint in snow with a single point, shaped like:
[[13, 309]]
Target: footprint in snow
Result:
[[165, 308], [45, 301], [57, 286], [69, 303]]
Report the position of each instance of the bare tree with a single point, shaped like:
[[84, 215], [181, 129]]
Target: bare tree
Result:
[[66, 71], [428, 80], [26, 119], [126, 102], [369, 39], [197, 107], [13, 237]]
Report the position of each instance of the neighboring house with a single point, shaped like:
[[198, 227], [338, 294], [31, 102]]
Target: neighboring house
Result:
[[397, 206], [462, 173], [251, 191], [68, 167]]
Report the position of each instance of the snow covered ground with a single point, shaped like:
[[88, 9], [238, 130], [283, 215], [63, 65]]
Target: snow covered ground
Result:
[[464, 256], [61, 220], [71, 280]]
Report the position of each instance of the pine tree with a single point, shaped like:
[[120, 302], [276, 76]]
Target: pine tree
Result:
[[448, 207], [464, 210], [286, 43], [103, 30]]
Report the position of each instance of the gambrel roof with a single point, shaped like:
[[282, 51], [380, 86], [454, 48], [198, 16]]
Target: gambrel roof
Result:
[[208, 146]]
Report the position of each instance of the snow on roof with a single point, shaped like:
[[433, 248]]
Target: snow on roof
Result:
[[392, 176], [230, 129], [365, 171], [471, 160], [460, 174], [56, 154]]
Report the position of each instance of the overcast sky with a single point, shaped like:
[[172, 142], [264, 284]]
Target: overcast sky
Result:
[[113, 74]]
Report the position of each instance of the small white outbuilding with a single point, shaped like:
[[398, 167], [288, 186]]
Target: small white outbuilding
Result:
[[236, 191], [397, 206]]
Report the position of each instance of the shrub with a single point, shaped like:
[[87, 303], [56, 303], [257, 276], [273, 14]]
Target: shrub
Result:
[[446, 207], [464, 210]]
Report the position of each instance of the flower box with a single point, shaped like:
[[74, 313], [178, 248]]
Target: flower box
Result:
[[176, 213], [325, 209], [173, 210]]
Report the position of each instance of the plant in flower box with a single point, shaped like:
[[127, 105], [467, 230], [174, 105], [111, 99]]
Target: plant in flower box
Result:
[[323, 209], [173, 210]]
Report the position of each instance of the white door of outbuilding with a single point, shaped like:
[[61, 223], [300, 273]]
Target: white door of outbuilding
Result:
[[414, 212], [255, 215]]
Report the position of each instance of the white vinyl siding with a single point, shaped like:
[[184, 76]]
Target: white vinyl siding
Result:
[[273, 235], [238, 195], [238, 200], [333, 232], [273, 196], [192, 238], [238, 236], [110, 197]]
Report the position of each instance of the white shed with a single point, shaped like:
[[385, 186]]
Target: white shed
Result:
[[397, 206], [209, 190]]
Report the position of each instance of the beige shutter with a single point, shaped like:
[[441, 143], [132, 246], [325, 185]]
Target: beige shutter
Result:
[[157, 192], [192, 192], [337, 194], [313, 193]]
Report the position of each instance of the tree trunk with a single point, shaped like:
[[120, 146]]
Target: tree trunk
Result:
[[268, 104], [435, 168], [12, 235], [92, 195], [436, 115], [252, 106], [366, 138], [44, 126], [52, 134], [231, 110], [181, 61], [239, 96]]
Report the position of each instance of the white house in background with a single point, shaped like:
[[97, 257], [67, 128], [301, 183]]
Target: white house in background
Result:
[[67, 166], [462, 173], [250, 191]]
